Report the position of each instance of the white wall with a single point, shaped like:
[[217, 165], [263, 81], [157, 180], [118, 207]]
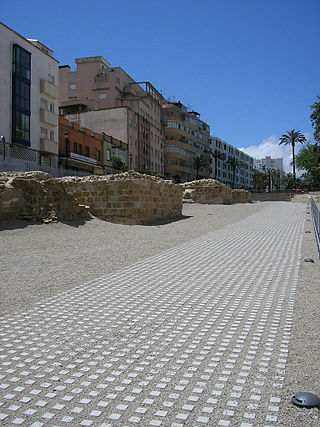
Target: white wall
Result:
[[41, 66], [113, 122]]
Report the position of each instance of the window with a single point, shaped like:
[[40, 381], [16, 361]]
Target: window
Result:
[[51, 107], [87, 151], [43, 133], [21, 95], [21, 62], [43, 104], [51, 79], [52, 135], [102, 96], [77, 148], [108, 154], [73, 86], [21, 128], [98, 154]]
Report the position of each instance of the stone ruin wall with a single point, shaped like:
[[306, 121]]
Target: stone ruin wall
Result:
[[211, 191], [36, 196], [128, 198]]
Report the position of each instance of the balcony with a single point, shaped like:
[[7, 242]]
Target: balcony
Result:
[[49, 89], [48, 146], [48, 117]]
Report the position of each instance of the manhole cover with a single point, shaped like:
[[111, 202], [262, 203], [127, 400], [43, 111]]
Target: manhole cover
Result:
[[308, 400]]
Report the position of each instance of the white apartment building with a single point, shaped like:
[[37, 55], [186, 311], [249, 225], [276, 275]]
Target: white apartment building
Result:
[[262, 165], [268, 162], [221, 153], [29, 103]]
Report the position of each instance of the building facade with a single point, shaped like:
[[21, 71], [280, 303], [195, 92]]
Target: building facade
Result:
[[186, 138], [80, 149], [274, 167], [114, 155], [268, 162], [29, 103], [222, 155], [107, 100]]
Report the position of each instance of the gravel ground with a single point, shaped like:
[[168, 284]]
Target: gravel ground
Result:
[[303, 364], [38, 261]]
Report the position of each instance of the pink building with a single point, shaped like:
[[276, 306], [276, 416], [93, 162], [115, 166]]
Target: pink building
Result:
[[106, 99]]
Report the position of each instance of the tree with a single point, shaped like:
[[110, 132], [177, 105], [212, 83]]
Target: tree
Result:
[[308, 160], [315, 119], [289, 180], [234, 163], [270, 173], [198, 162], [292, 138], [118, 164], [217, 155]]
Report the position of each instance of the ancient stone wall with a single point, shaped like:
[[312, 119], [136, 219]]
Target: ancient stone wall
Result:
[[211, 191], [128, 198], [241, 196], [36, 196]]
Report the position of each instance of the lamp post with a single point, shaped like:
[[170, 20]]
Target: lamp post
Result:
[[130, 161], [3, 140], [66, 146]]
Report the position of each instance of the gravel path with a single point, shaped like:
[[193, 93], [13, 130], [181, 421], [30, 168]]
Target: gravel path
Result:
[[40, 260], [218, 329]]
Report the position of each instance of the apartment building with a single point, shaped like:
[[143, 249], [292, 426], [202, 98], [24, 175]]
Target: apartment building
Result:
[[268, 162], [80, 149], [186, 138], [221, 155], [29, 103], [114, 154], [275, 166], [107, 100]]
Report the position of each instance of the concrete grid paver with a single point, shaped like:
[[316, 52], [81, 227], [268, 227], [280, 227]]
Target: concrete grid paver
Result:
[[198, 335]]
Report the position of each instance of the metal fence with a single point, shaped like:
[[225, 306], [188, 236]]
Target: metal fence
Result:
[[315, 210], [17, 158]]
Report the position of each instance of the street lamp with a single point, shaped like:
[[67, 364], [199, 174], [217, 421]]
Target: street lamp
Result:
[[3, 140], [66, 146]]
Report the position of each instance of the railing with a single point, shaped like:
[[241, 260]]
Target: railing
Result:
[[316, 220], [17, 158]]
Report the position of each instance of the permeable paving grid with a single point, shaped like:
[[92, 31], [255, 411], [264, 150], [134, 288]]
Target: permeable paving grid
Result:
[[197, 335]]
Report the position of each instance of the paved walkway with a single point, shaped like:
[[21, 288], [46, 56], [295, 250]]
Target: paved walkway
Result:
[[196, 336]]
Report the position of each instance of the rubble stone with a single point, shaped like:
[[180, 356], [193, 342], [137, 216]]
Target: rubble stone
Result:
[[241, 196], [36, 196], [212, 191], [128, 198]]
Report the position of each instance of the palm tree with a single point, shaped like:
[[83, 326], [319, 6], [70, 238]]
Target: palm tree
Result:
[[289, 180], [293, 137], [272, 176], [234, 163], [198, 162], [217, 155]]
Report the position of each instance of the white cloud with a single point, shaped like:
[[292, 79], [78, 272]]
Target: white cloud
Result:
[[270, 147]]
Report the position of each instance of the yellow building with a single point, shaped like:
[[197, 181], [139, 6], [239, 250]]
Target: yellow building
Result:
[[187, 139]]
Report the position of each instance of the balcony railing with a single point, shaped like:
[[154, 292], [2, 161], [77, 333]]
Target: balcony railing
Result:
[[48, 146], [48, 117], [49, 89]]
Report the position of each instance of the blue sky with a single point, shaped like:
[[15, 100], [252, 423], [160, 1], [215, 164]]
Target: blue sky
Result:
[[250, 67]]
